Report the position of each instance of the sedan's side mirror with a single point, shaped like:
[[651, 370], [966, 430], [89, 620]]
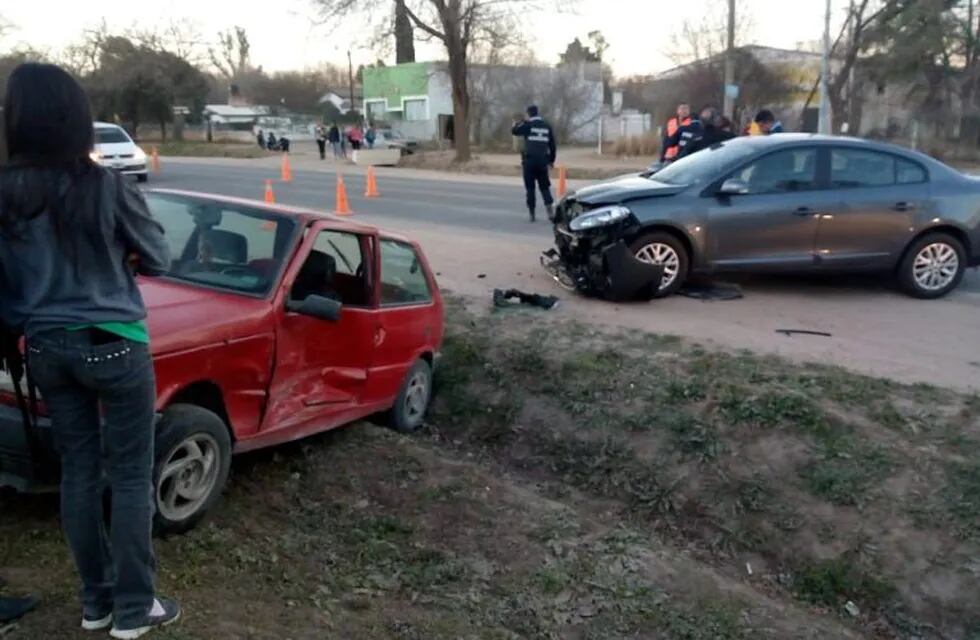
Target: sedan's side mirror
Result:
[[734, 187], [317, 307]]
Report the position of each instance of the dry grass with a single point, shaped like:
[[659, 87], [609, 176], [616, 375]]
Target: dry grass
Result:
[[634, 146]]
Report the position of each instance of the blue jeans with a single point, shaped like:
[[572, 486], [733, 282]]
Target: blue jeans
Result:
[[78, 373]]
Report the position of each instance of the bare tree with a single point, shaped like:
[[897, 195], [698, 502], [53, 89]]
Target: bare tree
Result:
[[458, 25], [232, 57], [708, 37]]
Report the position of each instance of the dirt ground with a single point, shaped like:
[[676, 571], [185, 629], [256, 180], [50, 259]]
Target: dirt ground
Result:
[[578, 483]]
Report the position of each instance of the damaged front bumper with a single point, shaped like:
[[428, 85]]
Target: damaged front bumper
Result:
[[599, 261]]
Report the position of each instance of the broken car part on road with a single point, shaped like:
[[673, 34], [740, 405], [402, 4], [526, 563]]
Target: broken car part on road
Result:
[[503, 298]]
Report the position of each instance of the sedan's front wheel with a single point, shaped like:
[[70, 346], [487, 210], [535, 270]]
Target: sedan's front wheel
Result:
[[667, 250], [933, 266]]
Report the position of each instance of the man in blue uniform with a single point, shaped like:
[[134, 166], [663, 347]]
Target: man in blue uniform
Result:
[[538, 156]]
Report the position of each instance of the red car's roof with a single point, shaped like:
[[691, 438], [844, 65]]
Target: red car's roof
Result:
[[304, 216]]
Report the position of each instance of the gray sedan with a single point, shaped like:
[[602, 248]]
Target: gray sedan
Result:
[[787, 202]]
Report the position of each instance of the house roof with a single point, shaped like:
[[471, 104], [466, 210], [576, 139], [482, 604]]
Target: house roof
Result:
[[751, 49], [228, 111]]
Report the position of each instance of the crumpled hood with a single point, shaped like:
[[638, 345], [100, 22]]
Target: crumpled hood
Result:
[[625, 188], [182, 316]]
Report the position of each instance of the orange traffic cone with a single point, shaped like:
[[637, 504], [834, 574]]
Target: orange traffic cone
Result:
[[270, 197], [343, 208], [372, 185], [287, 173], [562, 182], [155, 159]]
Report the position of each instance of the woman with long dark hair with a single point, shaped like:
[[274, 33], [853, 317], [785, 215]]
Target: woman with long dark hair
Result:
[[71, 236]]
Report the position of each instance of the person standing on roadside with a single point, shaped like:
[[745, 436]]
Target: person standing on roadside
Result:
[[260, 138], [334, 138], [370, 136], [765, 123], [713, 131], [321, 141], [669, 152], [71, 236], [691, 128], [540, 152]]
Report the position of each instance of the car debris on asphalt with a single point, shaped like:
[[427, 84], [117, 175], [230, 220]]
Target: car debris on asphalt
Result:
[[507, 298], [708, 291], [804, 332]]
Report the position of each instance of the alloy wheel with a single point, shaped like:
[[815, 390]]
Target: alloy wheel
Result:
[[935, 266], [188, 477], [662, 254]]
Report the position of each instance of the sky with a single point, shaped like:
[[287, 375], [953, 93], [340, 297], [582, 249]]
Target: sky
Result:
[[639, 31]]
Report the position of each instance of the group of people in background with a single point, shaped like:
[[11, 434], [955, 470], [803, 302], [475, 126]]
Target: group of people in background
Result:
[[354, 136], [271, 142], [688, 133]]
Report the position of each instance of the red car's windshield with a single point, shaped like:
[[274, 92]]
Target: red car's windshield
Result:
[[216, 244]]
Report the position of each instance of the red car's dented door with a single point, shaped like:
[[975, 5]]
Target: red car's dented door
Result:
[[321, 366], [410, 317]]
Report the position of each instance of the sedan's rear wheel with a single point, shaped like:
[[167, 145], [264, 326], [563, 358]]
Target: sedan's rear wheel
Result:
[[933, 266], [667, 250], [193, 452]]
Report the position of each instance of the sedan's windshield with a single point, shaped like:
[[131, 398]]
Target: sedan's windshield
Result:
[[216, 244], [704, 166], [110, 135]]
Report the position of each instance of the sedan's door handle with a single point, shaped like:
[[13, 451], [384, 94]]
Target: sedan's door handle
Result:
[[803, 211], [904, 206]]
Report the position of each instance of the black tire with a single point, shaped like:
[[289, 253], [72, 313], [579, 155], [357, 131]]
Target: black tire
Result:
[[405, 415], [906, 270], [182, 427], [683, 259], [142, 177]]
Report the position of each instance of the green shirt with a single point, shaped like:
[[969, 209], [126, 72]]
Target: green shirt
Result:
[[133, 331]]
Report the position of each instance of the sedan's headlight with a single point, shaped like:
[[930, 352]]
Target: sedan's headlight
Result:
[[139, 154], [600, 218], [95, 156]]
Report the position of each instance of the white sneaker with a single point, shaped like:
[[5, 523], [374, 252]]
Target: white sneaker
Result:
[[92, 624], [165, 611]]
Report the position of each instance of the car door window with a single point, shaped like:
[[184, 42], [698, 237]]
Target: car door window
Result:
[[403, 279], [908, 172], [857, 168], [781, 172], [336, 269]]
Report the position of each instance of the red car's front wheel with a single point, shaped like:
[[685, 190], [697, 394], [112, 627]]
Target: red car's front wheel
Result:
[[193, 459]]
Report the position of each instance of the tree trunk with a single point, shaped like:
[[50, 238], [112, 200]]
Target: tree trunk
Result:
[[163, 130], [404, 35], [461, 98]]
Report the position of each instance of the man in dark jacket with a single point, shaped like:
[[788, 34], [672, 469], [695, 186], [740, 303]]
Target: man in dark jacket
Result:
[[683, 118], [538, 156], [711, 133], [683, 135]]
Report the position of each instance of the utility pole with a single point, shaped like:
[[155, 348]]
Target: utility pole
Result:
[[824, 125], [730, 64], [350, 79], [602, 101]]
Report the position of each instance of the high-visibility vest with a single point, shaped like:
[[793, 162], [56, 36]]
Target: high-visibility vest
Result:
[[672, 126]]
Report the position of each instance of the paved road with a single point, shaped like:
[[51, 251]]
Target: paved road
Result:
[[472, 227]]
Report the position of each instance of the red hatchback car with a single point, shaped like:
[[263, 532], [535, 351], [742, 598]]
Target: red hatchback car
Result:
[[273, 324]]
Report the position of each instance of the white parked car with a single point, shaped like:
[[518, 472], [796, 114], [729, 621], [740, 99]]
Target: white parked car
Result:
[[116, 150], [386, 138]]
